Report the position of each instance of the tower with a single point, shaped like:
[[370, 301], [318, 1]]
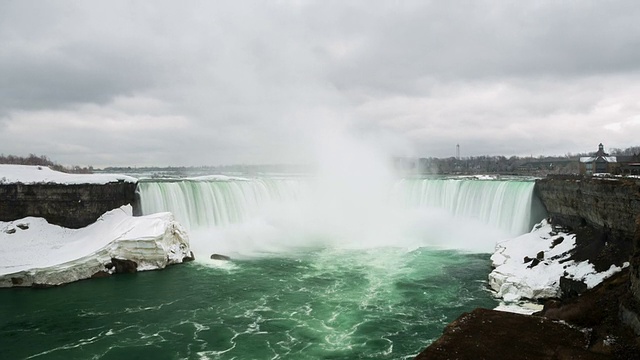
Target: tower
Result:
[[458, 151]]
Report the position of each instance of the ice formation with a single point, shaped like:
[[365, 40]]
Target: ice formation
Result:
[[34, 252], [514, 279]]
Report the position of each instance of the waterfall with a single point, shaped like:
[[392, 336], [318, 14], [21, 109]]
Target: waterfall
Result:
[[219, 202], [506, 205]]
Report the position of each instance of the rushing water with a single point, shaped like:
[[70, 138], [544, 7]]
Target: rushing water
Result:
[[325, 304], [313, 277]]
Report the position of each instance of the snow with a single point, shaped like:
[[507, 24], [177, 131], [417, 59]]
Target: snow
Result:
[[27, 174], [520, 307], [34, 251], [514, 280], [217, 178], [588, 159]]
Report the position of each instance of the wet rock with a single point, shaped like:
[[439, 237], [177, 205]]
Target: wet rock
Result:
[[527, 259], [17, 281], [534, 262], [23, 226], [11, 230], [490, 334], [124, 266], [540, 255], [557, 241], [571, 288], [220, 257], [41, 286], [100, 274], [190, 257]]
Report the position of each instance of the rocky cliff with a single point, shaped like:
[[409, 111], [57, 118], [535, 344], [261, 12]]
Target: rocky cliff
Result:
[[604, 214], [68, 205], [601, 211]]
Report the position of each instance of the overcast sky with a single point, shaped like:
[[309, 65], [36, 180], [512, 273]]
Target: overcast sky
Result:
[[139, 83]]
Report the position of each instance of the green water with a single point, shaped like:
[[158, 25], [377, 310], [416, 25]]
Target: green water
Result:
[[383, 303]]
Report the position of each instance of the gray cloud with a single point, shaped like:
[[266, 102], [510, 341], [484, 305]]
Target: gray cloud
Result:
[[122, 83]]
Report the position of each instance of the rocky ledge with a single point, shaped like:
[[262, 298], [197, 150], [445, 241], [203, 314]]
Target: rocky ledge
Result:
[[585, 327], [600, 218]]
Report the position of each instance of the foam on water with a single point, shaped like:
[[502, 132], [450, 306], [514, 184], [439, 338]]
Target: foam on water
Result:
[[257, 217], [377, 303]]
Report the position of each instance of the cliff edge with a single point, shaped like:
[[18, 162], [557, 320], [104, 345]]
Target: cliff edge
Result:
[[601, 323], [68, 200]]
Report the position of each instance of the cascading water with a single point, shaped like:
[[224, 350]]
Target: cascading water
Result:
[[412, 213], [507, 205], [211, 202], [344, 267]]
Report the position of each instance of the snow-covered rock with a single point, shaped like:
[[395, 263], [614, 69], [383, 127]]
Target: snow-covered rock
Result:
[[514, 279], [33, 251]]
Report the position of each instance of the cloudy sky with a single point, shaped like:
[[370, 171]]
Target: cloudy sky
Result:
[[226, 82]]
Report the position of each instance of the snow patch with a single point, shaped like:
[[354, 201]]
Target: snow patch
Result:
[[514, 279], [26, 174], [217, 178], [32, 251]]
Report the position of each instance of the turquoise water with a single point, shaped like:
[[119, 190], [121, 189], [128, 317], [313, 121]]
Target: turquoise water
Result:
[[321, 270], [381, 303]]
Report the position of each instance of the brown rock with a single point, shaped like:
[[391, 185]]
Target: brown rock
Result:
[[124, 266], [490, 334], [100, 274]]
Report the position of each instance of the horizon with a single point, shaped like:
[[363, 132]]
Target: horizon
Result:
[[569, 155]]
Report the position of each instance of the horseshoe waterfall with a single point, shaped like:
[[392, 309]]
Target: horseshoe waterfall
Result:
[[319, 269]]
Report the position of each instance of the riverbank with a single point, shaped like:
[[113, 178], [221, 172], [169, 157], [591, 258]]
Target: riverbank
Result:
[[594, 222], [585, 327]]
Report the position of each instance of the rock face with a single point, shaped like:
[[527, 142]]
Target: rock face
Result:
[[490, 334], [601, 211], [610, 204], [123, 266], [630, 306], [605, 214], [585, 327], [68, 205]]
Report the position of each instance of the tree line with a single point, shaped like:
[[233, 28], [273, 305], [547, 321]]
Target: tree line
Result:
[[537, 166], [42, 160]]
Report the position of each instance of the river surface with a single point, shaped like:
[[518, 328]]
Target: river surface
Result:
[[322, 303]]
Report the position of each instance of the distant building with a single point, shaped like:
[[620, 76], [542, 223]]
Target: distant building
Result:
[[628, 165], [601, 163]]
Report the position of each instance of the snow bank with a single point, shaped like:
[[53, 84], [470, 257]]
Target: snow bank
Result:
[[26, 174], [217, 178], [33, 251], [514, 279]]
